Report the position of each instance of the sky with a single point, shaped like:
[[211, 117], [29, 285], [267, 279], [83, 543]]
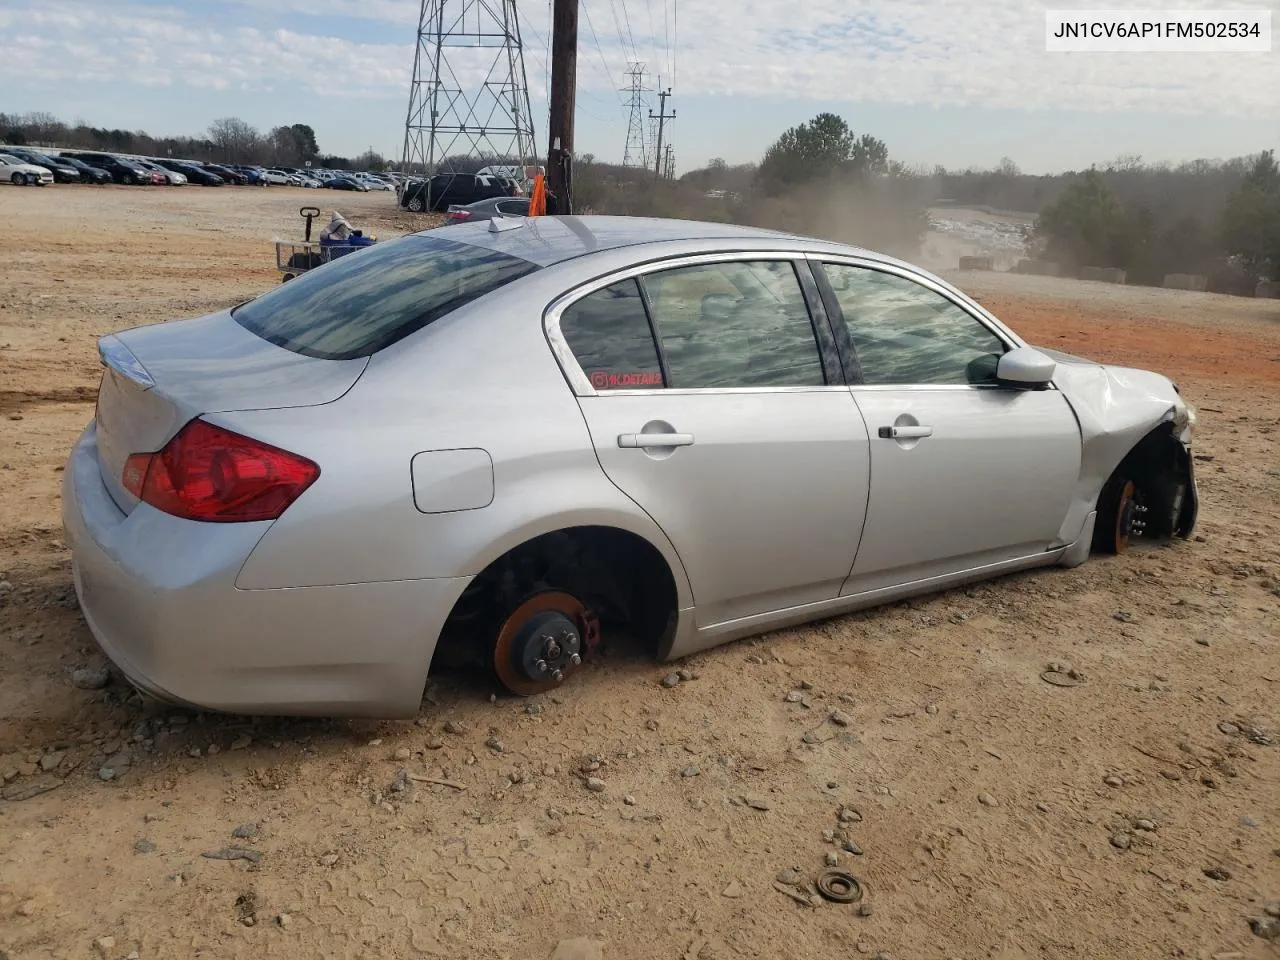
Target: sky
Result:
[[941, 82]]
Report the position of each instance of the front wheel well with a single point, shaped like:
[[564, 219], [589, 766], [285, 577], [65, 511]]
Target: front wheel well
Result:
[[621, 577], [1159, 469]]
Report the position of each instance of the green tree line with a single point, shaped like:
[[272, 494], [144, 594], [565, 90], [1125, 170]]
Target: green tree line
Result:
[[1234, 239]]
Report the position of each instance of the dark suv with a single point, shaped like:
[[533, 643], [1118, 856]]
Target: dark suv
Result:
[[122, 170], [444, 189]]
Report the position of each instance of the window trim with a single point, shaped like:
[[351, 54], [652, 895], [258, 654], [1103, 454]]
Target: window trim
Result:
[[970, 307], [835, 320], [580, 383]]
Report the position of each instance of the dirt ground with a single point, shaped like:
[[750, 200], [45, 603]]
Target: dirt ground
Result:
[[987, 812]]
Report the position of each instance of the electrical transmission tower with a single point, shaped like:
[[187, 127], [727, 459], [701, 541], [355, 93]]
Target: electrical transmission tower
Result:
[[636, 153], [448, 116]]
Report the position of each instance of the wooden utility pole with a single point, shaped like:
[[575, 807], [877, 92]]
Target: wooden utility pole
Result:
[[661, 116], [564, 84]]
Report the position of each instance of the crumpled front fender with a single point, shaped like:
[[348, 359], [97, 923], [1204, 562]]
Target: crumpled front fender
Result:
[[1116, 407]]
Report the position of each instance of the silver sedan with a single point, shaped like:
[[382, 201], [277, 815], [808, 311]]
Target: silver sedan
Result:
[[507, 441]]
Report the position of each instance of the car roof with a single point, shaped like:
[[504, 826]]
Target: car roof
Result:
[[552, 239], [488, 203]]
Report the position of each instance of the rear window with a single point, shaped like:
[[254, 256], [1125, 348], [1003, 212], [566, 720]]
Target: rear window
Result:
[[370, 298]]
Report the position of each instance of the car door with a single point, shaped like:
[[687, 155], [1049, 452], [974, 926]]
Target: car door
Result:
[[733, 431], [965, 472], [459, 188]]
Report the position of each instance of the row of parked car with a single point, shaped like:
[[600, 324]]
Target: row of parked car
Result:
[[27, 166]]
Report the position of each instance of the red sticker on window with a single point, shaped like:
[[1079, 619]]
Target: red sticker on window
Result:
[[604, 380]]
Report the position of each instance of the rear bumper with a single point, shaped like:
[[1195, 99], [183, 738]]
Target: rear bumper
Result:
[[159, 595]]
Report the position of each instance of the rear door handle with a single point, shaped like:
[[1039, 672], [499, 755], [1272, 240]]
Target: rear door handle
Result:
[[904, 433], [635, 440]]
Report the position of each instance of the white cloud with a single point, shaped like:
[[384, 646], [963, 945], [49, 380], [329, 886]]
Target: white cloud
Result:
[[67, 39], [934, 52], [937, 52]]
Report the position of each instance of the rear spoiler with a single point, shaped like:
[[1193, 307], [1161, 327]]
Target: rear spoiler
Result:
[[116, 356]]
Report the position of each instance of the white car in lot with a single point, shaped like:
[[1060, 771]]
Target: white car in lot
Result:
[[172, 177], [373, 183], [20, 173], [277, 178]]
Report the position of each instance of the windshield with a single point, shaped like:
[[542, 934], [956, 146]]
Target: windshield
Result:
[[368, 299]]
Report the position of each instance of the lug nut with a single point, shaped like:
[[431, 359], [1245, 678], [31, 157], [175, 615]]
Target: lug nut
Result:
[[557, 675], [575, 660], [542, 666]]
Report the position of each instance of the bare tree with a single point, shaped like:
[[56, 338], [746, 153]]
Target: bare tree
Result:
[[233, 138]]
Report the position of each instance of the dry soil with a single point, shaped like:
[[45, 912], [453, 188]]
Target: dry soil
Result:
[[987, 812]]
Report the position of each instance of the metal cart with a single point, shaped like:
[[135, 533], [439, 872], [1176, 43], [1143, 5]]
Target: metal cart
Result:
[[298, 256]]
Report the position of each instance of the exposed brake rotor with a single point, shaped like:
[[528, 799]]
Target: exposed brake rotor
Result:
[[1131, 516], [543, 641]]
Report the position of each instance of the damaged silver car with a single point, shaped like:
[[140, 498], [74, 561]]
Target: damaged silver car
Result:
[[507, 441]]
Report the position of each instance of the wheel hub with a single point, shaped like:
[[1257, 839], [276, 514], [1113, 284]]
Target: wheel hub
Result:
[[1133, 519], [547, 647], [542, 641]]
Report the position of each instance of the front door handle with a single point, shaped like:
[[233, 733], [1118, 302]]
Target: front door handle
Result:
[[636, 440], [905, 433]]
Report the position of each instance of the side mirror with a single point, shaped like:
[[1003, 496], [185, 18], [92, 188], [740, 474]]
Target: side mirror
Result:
[[1026, 368]]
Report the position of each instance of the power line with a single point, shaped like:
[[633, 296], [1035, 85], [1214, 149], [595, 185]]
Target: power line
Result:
[[653, 38], [628, 42], [666, 37], [675, 38], [600, 50], [626, 16]]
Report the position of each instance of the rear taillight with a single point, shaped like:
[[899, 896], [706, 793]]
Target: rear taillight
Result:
[[208, 473], [460, 215]]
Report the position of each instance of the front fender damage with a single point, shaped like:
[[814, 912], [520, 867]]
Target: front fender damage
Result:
[[1133, 418]]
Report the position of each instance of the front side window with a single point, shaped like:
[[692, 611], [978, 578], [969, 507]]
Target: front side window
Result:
[[905, 333], [735, 324], [360, 303], [609, 334]]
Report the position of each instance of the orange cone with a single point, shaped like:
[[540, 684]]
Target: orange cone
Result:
[[538, 199]]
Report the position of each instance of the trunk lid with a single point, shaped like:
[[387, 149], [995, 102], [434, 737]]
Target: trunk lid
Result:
[[159, 377]]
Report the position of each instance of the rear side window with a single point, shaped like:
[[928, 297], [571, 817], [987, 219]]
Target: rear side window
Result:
[[370, 298], [609, 334], [735, 324]]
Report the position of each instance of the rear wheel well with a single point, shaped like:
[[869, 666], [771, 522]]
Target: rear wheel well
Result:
[[621, 577]]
